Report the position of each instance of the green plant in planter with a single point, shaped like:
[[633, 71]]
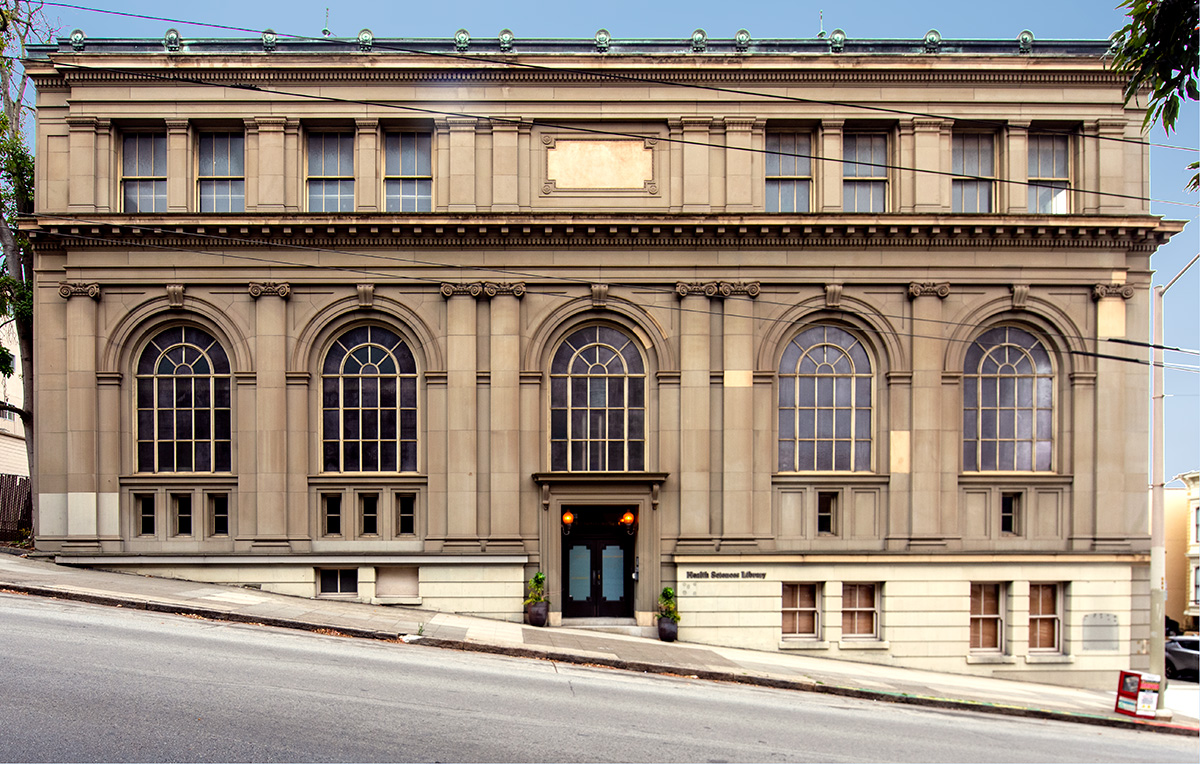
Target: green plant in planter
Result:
[[668, 608], [537, 589]]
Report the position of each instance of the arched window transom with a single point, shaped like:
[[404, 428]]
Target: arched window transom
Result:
[[183, 403], [369, 403], [597, 403], [1008, 402], [825, 402]]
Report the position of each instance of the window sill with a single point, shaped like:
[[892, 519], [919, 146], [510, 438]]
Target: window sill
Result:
[[803, 644], [1050, 658], [986, 659], [864, 644]]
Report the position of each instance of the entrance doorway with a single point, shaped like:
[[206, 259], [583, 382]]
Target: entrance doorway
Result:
[[598, 564]]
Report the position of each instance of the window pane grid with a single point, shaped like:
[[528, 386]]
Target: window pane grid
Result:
[[222, 172], [1044, 618], [801, 613], [788, 172], [1049, 174], [825, 385], [369, 403], [859, 611], [987, 623], [330, 172], [183, 412], [144, 172], [408, 172], [973, 156], [1008, 403], [597, 403], [864, 156]]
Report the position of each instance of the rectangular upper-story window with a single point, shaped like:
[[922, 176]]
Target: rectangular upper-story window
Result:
[[864, 171], [1049, 174], [789, 172], [144, 172], [331, 172], [222, 172], [408, 172], [973, 158]]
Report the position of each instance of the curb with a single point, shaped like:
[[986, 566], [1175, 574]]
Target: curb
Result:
[[884, 696]]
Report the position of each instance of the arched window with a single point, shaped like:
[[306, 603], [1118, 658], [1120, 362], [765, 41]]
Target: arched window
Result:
[[183, 404], [1008, 402], [369, 403], [824, 402], [597, 403]]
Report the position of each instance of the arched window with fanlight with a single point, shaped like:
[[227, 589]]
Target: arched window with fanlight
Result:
[[597, 403], [1008, 402], [369, 403], [825, 385], [184, 415]]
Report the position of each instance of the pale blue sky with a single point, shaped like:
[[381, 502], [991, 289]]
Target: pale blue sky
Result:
[[1059, 19]]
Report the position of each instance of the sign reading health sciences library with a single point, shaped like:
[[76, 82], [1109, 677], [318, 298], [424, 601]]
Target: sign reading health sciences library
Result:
[[723, 575]]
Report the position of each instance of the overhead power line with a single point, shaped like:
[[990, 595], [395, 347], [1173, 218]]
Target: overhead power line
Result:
[[528, 274], [606, 75], [195, 80]]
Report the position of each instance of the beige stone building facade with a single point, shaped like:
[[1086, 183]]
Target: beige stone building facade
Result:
[[812, 330]]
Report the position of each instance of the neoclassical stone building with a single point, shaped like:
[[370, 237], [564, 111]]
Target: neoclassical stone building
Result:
[[813, 330]]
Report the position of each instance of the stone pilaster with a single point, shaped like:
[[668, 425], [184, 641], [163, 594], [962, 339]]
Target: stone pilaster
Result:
[[828, 173], [927, 353], [738, 418], [271, 155], [739, 165], [367, 165], [505, 167], [696, 156], [695, 418], [82, 413], [461, 424], [179, 166], [1017, 196], [505, 419], [271, 419], [462, 164], [81, 192]]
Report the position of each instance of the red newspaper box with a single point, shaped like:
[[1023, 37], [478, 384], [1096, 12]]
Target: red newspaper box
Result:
[[1137, 694]]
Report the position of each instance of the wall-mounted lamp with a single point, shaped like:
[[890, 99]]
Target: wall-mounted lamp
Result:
[[629, 521], [568, 520]]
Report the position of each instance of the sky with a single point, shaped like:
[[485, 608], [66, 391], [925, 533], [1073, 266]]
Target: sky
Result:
[[954, 19]]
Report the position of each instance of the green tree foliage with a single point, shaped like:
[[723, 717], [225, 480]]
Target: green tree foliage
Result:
[[21, 23], [1160, 51]]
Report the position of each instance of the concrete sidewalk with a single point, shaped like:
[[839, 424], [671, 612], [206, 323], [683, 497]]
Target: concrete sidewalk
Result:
[[863, 680]]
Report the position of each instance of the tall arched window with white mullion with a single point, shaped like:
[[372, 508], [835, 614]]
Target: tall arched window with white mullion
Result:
[[1008, 403], [369, 403], [825, 385], [184, 416], [598, 403]]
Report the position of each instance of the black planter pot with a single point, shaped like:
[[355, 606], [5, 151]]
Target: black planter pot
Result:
[[667, 629], [537, 613]]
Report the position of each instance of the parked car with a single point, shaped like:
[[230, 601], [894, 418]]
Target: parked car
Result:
[[1182, 656]]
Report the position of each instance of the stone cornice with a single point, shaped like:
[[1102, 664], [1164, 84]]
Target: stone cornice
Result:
[[305, 72], [1135, 233]]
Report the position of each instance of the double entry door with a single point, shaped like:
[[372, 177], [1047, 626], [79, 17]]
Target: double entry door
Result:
[[598, 565]]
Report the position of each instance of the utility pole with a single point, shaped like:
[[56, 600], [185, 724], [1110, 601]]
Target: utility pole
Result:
[[1158, 551]]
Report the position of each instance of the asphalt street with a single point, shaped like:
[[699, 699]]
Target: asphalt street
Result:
[[88, 683]]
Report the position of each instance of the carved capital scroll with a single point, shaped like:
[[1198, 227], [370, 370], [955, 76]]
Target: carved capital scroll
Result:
[[721, 289], [929, 289], [68, 289], [484, 289], [1124, 291], [267, 288]]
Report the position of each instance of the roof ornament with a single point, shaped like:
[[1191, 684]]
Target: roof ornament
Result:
[[1025, 41], [507, 38], [603, 38], [366, 39], [78, 39], [837, 41], [821, 16], [741, 41], [171, 40], [699, 41], [269, 40], [933, 41], [462, 40]]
